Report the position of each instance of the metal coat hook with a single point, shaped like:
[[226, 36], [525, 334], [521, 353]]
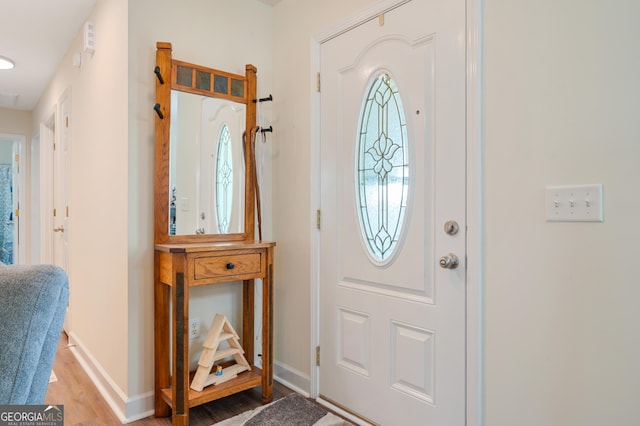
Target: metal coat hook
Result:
[[156, 107], [263, 130], [267, 99], [157, 71]]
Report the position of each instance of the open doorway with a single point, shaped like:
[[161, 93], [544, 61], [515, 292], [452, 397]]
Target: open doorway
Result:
[[12, 227]]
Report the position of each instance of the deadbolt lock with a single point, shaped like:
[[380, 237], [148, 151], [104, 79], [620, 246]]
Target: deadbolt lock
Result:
[[451, 227]]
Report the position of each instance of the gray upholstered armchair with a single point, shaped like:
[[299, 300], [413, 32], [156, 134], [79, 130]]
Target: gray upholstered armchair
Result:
[[33, 302]]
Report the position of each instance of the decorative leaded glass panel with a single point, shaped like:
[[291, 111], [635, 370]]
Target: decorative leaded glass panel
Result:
[[203, 80], [224, 180], [220, 84], [382, 168], [185, 76], [237, 88]]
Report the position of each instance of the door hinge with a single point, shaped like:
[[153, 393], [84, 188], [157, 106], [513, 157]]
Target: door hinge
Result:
[[67, 121], [54, 212], [17, 213], [318, 356], [318, 219], [317, 82], [67, 212]]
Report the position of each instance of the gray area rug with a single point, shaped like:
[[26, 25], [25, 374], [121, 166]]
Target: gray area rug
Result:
[[292, 410]]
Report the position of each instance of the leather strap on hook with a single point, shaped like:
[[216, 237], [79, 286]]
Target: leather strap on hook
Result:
[[254, 175]]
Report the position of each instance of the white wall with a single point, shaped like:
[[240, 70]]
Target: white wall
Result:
[[98, 192], [561, 299], [15, 122]]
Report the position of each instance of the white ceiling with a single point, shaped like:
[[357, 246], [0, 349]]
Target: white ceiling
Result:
[[35, 34]]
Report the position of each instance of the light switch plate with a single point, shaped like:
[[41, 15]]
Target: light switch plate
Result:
[[575, 203], [184, 204]]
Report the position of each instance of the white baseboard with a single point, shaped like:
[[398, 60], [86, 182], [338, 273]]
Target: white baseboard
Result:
[[127, 409], [291, 378]]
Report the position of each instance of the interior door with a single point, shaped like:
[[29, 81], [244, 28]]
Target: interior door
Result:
[[392, 255], [15, 218], [61, 165], [9, 200]]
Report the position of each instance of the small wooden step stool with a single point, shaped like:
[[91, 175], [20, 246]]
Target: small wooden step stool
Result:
[[220, 331]]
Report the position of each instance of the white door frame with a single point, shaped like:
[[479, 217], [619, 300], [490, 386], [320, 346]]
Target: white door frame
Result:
[[473, 198], [20, 256], [61, 179], [48, 136], [52, 132]]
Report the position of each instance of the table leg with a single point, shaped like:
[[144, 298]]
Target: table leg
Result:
[[161, 340], [180, 389], [248, 315], [267, 338]]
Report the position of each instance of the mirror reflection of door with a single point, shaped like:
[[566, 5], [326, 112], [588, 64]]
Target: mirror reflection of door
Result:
[[206, 167], [222, 189]]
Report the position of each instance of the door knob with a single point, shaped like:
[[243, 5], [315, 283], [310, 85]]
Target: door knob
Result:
[[58, 229], [449, 261]]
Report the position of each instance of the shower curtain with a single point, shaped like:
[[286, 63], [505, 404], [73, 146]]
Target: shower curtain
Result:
[[6, 214]]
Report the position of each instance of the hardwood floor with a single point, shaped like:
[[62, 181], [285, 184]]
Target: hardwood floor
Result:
[[84, 405]]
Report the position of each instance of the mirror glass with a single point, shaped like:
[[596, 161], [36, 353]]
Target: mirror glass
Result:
[[206, 165]]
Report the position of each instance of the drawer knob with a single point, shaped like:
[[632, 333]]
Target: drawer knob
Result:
[[230, 265]]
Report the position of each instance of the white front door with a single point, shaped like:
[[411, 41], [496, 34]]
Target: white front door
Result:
[[392, 318]]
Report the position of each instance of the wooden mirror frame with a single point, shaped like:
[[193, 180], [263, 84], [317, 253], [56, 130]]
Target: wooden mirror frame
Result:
[[166, 81]]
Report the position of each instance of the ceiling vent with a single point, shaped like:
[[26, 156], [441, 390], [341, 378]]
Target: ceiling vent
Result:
[[8, 100]]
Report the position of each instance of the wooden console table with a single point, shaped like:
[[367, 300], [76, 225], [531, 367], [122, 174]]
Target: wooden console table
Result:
[[181, 266]]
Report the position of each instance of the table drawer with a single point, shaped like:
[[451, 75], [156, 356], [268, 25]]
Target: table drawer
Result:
[[227, 265]]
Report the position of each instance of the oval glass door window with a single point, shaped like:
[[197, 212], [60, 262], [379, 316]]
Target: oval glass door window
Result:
[[382, 168], [224, 180]]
